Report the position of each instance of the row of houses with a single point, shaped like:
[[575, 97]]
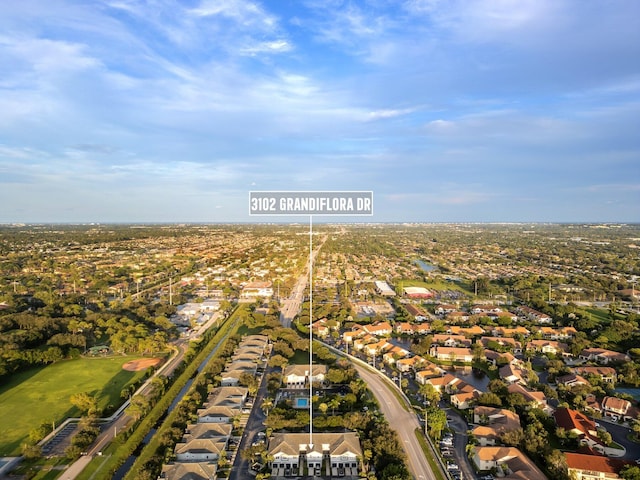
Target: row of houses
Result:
[[303, 454], [491, 423], [320, 454], [456, 345], [198, 453], [522, 313]]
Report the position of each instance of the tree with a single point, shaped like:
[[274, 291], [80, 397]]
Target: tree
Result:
[[138, 407], [31, 451], [489, 399], [267, 404], [557, 464], [366, 458], [436, 421], [84, 402], [250, 381], [630, 472], [358, 387], [429, 393], [605, 436], [478, 351], [512, 437], [334, 403], [535, 438], [278, 361]]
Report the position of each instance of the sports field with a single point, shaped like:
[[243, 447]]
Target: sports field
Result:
[[41, 395]]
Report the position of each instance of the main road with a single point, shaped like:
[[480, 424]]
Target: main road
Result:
[[403, 421], [291, 306]]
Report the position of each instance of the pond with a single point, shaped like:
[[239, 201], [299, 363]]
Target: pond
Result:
[[427, 267], [474, 377], [634, 392]]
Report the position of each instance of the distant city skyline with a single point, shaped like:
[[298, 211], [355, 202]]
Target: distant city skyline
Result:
[[450, 111]]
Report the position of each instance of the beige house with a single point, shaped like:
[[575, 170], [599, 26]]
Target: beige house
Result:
[[603, 356], [443, 383], [453, 354], [607, 374], [552, 347], [534, 398], [329, 454], [190, 471], [491, 423], [377, 348], [450, 340], [472, 331], [379, 329], [199, 450], [506, 342], [414, 363], [430, 370], [512, 373], [616, 408], [466, 398], [394, 354], [257, 290], [515, 464], [297, 376]]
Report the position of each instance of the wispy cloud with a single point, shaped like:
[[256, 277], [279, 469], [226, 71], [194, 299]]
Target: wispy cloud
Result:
[[390, 113], [458, 107]]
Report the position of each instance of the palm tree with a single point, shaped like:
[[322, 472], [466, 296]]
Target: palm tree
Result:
[[429, 393], [333, 404], [367, 454], [267, 404]]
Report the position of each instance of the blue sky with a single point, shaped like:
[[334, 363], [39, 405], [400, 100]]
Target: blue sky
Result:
[[448, 110]]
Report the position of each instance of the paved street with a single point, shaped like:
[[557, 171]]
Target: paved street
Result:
[[459, 426], [255, 424], [619, 434], [291, 305], [402, 421]]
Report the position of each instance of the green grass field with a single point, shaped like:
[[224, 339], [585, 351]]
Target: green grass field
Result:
[[435, 284], [41, 395]]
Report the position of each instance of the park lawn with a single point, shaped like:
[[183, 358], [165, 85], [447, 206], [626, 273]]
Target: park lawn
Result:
[[41, 395], [599, 314]]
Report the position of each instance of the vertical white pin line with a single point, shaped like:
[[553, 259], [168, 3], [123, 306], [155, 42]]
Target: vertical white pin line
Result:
[[310, 331]]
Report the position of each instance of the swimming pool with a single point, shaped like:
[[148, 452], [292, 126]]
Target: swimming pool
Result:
[[301, 402]]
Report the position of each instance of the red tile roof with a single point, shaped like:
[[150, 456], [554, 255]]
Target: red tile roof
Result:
[[595, 463]]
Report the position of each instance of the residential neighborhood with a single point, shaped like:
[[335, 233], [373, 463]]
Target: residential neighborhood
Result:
[[508, 376]]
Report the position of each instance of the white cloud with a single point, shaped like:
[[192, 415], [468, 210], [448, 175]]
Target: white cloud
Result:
[[484, 20], [245, 14], [44, 57], [389, 113], [276, 46]]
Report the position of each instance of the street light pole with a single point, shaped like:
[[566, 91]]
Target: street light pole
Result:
[[426, 413]]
